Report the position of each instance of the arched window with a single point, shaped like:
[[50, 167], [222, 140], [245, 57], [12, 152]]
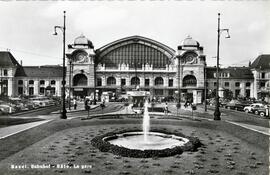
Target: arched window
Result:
[[189, 80], [159, 81], [31, 81], [135, 81], [80, 80], [111, 81]]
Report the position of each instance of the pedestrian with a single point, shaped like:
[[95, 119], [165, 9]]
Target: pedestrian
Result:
[[166, 109], [75, 103], [87, 106]]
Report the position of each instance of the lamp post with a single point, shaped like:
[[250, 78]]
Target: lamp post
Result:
[[69, 92], [205, 89], [217, 112], [179, 90], [63, 29]]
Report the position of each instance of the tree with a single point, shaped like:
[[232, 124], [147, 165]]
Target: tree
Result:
[[228, 94]]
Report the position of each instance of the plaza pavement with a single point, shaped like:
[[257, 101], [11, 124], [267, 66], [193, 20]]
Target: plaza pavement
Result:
[[184, 112]]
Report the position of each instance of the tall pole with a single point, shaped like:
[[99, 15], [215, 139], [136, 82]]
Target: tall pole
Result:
[[64, 112], [179, 90], [69, 92], [205, 89], [95, 79], [217, 112]]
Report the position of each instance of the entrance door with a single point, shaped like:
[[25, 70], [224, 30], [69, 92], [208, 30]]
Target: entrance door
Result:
[[189, 97]]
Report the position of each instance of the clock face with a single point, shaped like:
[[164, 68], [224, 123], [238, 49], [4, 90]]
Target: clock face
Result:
[[81, 57], [190, 58]]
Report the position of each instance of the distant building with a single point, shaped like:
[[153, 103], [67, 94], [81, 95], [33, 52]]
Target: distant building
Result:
[[238, 80], [17, 80], [135, 63], [261, 73]]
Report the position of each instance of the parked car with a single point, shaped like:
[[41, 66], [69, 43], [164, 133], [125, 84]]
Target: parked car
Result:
[[260, 111], [5, 109], [253, 107], [236, 104]]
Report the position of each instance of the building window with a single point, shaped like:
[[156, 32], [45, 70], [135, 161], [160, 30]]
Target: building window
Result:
[[189, 80], [99, 82], [111, 81], [53, 90], [135, 81], [53, 82], [237, 84], [170, 82], [41, 82], [158, 91], [207, 84], [263, 75], [80, 80], [247, 84], [159, 81], [42, 90], [123, 82], [171, 92], [227, 84], [31, 90], [20, 82], [262, 84], [31, 81], [237, 93], [247, 93], [5, 72], [215, 83], [146, 82], [20, 90]]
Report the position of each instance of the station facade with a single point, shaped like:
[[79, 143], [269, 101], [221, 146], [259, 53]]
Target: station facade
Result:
[[135, 63]]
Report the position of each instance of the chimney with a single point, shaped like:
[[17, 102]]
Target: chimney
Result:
[[21, 62]]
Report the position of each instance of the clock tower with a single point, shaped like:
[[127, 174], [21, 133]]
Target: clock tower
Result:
[[191, 64], [81, 68]]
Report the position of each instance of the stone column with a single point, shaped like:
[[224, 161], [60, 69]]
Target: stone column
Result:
[[103, 81], [36, 87], [195, 99], [10, 87], [118, 81]]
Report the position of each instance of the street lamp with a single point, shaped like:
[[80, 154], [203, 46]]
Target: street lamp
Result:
[[69, 92], [63, 29], [217, 112], [178, 105]]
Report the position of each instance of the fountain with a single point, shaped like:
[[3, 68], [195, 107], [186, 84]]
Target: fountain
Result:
[[146, 143], [146, 121]]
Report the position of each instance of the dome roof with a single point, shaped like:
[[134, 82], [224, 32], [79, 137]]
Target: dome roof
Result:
[[189, 42], [82, 40]]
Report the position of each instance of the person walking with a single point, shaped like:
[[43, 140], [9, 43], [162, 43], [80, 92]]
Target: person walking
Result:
[[75, 103], [166, 109]]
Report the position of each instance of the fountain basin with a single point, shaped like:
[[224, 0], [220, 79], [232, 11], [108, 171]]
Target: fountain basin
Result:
[[161, 143], [155, 140]]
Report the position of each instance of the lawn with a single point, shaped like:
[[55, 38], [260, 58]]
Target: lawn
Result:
[[63, 147]]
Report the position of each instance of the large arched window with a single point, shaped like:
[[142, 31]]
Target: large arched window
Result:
[[80, 80], [135, 81], [159, 81], [190, 80], [111, 81]]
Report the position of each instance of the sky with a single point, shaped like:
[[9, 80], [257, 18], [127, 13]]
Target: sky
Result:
[[26, 28]]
